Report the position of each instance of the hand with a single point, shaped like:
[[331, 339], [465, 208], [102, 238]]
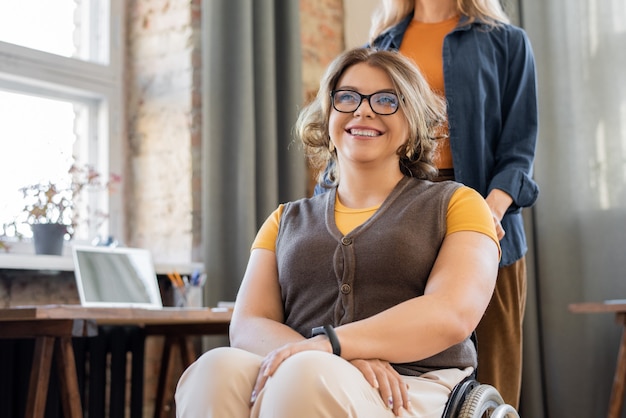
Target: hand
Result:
[[498, 201], [499, 230], [275, 358], [387, 380]]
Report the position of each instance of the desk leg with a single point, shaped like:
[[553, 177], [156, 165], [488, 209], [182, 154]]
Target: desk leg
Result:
[[617, 393], [66, 363], [159, 403], [187, 354], [39, 377], [187, 351]]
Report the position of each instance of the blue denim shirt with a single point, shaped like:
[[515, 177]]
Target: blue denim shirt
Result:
[[491, 90]]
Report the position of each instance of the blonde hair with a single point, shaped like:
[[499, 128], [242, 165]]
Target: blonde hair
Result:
[[423, 110], [391, 12]]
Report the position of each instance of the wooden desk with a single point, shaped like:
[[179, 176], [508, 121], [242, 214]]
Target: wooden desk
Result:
[[619, 309], [53, 326]]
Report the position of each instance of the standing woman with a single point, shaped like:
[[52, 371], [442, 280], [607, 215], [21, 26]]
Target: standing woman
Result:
[[470, 53]]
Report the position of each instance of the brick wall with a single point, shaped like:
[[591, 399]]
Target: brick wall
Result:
[[321, 26], [163, 110]]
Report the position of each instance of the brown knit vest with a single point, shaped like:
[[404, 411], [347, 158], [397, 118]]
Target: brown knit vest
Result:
[[329, 278]]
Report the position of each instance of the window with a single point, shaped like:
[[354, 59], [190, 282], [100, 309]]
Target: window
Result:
[[60, 100]]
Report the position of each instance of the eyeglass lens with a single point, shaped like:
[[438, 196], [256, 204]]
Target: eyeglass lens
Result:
[[382, 102]]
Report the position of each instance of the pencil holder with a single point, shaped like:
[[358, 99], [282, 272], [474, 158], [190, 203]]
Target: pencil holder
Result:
[[188, 296]]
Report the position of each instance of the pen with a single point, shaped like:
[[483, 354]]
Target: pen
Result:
[[176, 280], [195, 278], [179, 279]]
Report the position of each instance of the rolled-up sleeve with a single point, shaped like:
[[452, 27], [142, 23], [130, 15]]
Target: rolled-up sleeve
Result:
[[515, 153]]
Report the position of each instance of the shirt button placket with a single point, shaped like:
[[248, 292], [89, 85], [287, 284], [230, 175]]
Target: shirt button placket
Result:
[[346, 288]]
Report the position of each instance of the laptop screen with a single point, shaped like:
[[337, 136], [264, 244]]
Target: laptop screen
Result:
[[116, 277]]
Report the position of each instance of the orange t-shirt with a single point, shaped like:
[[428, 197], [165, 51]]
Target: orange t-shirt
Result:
[[423, 43], [467, 211]]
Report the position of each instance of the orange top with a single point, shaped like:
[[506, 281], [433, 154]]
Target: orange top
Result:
[[423, 43], [467, 211]]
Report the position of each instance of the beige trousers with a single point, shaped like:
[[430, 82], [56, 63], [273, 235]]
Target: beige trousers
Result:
[[308, 384], [499, 334]]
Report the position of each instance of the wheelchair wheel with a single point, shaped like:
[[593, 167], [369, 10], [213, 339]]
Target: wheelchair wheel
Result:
[[485, 401], [505, 411]]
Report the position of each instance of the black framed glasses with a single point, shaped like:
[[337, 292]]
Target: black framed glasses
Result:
[[382, 102]]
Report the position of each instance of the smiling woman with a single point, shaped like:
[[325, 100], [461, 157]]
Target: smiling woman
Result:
[[394, 269]]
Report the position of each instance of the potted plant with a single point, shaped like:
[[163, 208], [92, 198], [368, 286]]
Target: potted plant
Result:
[[52, 209]]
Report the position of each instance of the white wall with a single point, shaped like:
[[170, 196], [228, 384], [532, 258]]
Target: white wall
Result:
[[358, 14]]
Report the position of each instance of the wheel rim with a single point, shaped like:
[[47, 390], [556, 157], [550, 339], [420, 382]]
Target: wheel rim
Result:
[[481, 402]]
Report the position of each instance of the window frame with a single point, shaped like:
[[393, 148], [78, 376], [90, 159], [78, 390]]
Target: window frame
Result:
[[26, 70]]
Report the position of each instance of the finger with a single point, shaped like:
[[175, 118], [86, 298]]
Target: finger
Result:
[[275, 359], [499, 230], [404, 393], [397, 400], [367, 372], [259, 384], [385, 391], [398, 397], [268, 367]]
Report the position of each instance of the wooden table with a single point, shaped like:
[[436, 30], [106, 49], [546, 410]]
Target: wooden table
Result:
[[619, 309], [54, 326]]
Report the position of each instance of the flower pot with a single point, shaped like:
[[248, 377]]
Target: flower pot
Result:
[[49, 238]]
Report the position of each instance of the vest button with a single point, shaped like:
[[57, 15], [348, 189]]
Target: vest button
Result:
[[346, 241], [345, 289]]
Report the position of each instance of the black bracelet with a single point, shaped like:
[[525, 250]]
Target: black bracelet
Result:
[[329, 331]]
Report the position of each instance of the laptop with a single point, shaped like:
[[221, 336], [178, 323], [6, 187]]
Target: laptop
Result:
[[116, 277]]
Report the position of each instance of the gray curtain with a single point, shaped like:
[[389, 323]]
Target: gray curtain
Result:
[[532, 402], [578, 225], [252, 90]]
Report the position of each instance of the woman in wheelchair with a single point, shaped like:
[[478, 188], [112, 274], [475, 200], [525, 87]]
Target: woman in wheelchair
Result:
[[358, 302]]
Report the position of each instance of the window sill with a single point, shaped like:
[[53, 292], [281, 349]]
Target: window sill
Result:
[[66, 263]]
